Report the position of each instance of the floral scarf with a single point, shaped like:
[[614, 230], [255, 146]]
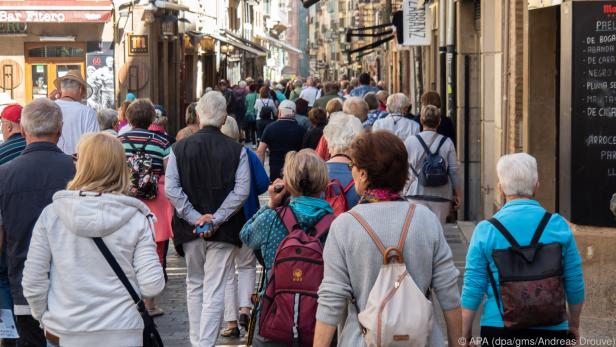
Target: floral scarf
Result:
[[379, 195]]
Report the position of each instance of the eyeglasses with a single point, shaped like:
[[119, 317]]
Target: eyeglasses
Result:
[[351, 165]]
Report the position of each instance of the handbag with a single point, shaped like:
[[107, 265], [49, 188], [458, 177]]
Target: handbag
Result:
[[151, 337]]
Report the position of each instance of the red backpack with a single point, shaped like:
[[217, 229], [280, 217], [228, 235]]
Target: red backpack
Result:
[[289, 305], [335, 194]]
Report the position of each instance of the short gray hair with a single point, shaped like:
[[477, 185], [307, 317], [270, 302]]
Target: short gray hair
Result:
[[517, 174], [242, 84], [356, 106], [42, 117], [212, 109], [397, 103], [69, 84], [107, 118], [340, 131]]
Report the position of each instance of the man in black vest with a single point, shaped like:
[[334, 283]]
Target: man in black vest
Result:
[[207, 181]]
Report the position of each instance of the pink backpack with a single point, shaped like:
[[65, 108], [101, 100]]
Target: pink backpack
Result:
[[288, 312], [335, 194]]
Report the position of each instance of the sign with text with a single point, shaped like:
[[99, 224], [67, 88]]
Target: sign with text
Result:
[[137, 44], [415, 23], [51, 16], [593, 112]]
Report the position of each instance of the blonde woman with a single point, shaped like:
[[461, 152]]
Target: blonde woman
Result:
[[68, 283], [305, 180]]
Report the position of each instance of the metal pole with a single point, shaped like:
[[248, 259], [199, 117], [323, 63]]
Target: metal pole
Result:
[[467, 124], [442, 51], [451, 62]]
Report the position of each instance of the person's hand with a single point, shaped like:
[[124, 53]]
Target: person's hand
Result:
[[456, 200], [575, 333], [276, 198], [55, 95], [206, 219]]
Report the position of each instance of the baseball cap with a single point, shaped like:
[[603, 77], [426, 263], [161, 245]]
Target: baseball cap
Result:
[[287, 105], [12, 113]]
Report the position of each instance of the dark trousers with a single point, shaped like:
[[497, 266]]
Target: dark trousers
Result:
[[250, 127], [30, 332], [501, 337]]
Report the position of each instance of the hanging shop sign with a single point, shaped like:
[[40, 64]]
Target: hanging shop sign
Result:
[[137, 44], [415, 23]]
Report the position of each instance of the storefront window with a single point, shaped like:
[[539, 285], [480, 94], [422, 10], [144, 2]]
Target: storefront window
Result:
[[56, 52], [39, 81]]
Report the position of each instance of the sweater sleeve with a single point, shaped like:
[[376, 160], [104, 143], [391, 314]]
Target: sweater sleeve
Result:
[[572, 264], [335, 290], [444, 272], [148, 270], [452, 162], [475, 276], [35, 281]]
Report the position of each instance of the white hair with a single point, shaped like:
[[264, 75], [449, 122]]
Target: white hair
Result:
[[107, 118], [397, 103], [231, 129], [517, 174], [212, 109], [69, 84], [340, 131], [42, 117], [242, 84]]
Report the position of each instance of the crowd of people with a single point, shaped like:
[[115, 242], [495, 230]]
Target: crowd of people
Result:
[[351, 239]]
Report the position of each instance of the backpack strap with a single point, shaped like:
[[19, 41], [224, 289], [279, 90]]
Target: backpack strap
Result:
[[540, 228], [423, 144], [322, 226], [348, 187], [438, 149], [288, 218], [496, 294], [406, 226], [500, 227], [369, 230]]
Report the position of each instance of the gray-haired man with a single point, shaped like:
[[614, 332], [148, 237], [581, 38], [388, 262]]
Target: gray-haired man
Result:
[[207, 181], [27, 184]]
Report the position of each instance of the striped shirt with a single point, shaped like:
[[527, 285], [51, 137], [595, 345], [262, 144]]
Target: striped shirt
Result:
[[12, 148], [155, 145]]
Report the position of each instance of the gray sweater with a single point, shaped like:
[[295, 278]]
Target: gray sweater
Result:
[[352, 263]]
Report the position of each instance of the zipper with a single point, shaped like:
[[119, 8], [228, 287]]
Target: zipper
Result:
[[306, 260], [391, 293]]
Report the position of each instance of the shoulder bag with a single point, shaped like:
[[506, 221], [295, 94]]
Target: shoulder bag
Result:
[[151, 337]]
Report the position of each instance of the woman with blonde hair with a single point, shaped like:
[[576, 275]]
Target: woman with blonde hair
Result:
[[305, 180], [192, 122], [71, 288]]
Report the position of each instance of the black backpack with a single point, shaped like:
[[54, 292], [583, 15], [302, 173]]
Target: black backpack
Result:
[[267, 112], [530, 279], [433, 172]]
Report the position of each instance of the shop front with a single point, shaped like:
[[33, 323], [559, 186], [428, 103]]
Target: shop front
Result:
[[43, 40]]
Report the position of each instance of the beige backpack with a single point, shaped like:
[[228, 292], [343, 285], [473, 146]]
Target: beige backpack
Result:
[[397, 312]]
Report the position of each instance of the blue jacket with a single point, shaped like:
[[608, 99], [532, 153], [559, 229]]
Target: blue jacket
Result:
[[259, 181], [521, 218]]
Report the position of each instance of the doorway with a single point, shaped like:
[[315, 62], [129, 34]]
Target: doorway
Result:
[[47, 61]]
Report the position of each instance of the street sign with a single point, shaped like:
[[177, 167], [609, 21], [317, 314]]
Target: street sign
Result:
[[415, 23], [593, 112]]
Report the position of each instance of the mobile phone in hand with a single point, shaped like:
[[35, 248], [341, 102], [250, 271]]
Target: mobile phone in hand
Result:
[[278, 188], [203, 228]]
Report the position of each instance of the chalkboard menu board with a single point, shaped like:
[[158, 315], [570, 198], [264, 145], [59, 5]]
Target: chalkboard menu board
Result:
[[593, 112]]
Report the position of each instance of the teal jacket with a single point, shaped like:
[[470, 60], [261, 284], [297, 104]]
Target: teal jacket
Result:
[[521, 218]]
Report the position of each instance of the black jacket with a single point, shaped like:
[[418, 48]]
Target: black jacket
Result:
[[207, 162], [27, 185]]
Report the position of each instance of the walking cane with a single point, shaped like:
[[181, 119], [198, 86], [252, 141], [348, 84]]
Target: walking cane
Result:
[[253, 316]]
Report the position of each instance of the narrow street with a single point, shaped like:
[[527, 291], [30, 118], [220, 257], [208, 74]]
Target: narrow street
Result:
[[173, 326]]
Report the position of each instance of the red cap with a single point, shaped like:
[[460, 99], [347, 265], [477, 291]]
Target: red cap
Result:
[[12, 113]]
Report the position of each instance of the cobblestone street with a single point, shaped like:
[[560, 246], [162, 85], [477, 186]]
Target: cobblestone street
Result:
[[173, 326]]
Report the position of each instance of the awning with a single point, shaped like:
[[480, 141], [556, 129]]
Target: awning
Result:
[[281, 44], [55, 11], [238, 44]]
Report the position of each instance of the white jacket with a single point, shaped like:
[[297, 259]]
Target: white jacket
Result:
[[69, 285], [403, 127]]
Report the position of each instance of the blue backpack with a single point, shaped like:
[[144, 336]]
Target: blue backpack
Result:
[[433, 172]]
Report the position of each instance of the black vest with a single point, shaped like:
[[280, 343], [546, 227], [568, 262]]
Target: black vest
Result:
[[207, 162]]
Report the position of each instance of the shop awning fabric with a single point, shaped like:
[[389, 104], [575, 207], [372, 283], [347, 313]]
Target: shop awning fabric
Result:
[[56, 11], [281, 44]]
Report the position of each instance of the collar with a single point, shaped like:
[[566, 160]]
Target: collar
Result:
[[209, 130], [41, 146], [14, 136], [522, 202]]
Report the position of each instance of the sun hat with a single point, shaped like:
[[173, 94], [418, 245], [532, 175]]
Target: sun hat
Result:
[[74, 75]]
